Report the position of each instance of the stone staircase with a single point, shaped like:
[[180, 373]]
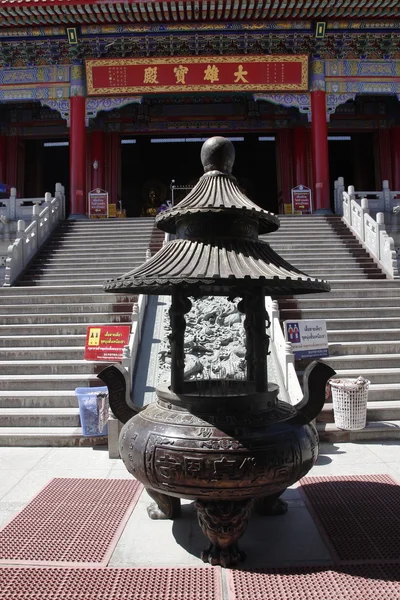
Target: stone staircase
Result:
[[362, 314], [43, 323]]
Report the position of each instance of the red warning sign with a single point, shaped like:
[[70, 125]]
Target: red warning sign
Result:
[[106, 342]]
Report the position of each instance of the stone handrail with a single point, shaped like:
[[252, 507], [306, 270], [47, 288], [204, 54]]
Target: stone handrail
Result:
[[29, 239], [283, 356], [371, 232], [14, 208], [131, 350], [128, 362], [378, 201]]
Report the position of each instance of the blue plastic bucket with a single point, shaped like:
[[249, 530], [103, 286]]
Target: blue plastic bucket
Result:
[[93, 410]]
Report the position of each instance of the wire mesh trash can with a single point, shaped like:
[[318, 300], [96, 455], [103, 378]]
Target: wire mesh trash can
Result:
[[93, 410], [350, 397]]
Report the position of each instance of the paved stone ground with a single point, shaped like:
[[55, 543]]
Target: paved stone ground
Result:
[[277, 541]]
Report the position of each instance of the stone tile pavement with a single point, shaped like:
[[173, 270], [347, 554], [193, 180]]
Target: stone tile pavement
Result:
[[277, 541]]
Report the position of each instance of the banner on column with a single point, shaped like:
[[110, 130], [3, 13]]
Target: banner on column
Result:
[[98, 204], [301, 200]]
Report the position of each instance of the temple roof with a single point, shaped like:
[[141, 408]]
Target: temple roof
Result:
[[28, 12]]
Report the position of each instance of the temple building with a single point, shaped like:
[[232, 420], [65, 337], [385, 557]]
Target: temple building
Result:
[[118, 97]]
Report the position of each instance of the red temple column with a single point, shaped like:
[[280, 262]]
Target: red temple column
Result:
[[385, 158], [3, 157], [300, 153], [97, 174], [395, 144], [12, 161], [77, 146], [113, 166], [320, 157], [285, 172]]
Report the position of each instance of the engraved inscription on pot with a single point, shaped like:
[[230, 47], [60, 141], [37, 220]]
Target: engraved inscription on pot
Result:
[[175, 467]]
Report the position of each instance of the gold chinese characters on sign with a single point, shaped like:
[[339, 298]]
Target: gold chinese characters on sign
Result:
[[197, 74]]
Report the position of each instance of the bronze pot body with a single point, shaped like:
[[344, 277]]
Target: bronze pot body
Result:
[[217, 441]]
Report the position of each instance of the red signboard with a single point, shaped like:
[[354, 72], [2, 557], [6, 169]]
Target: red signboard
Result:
[[197, 74], [98, 203], [106, 342], [301, 199]]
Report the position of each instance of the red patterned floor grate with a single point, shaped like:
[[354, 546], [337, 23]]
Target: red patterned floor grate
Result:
[[189, 583], [358, 516], [71, 521], [355, 582]]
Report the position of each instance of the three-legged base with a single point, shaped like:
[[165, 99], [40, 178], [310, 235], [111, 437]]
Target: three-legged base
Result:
[[223, 522]]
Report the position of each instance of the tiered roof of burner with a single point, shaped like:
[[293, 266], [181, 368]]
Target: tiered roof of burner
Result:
[[217, 251]]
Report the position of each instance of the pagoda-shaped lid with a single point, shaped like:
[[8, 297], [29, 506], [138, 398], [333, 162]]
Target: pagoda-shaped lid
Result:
[[217, 190], [217, 250]]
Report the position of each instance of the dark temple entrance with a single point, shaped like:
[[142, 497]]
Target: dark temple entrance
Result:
[[149, 164], [352, 156], [46, 162]]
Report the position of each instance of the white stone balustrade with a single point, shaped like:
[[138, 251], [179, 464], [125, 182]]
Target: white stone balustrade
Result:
[[371, 232], [45, 217], [282, 356], [383, 200]]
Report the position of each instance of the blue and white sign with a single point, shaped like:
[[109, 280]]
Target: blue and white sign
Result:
[[308, 337]]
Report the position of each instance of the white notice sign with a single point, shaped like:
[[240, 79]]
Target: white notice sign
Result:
[[308, 337]]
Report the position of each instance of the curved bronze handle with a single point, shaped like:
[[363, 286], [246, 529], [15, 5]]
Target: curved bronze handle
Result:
[[115, 378], [315, 378]]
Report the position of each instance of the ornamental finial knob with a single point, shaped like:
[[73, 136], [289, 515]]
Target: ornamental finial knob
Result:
[[218, 154]]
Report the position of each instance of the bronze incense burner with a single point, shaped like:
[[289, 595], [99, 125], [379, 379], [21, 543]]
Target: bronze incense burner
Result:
[[229, 445]]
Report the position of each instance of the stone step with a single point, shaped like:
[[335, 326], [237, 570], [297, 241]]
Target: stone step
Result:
[[64, 299], [35, 342], [352, 293], [49, 382], [381, 375], [54, 290], [326, 246], [36, 353], [326, 238], [78, 271], [375, 430], [346, 313], [47, 318], [353, 277], [327, 301], [363, 361], [47, 436], [111, 259], [363, 347], [39, 417], [38, 367], [50, 279], [38, 398], [127, 241], [336, 271], [320, 261], [376, 411], [56, 329], [94, 307], [363, 335], [366, 283], [306, 254]]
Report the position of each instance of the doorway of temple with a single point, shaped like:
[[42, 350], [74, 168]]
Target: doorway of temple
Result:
[[150, 164], [45, 163], [353, 157]]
